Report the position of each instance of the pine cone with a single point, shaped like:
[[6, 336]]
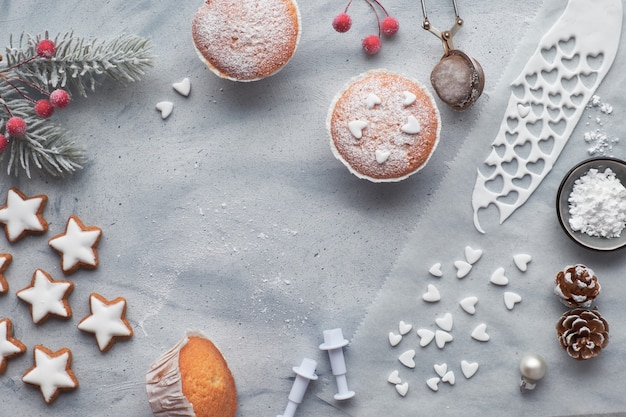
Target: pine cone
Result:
[[577, 286], [582, 333]]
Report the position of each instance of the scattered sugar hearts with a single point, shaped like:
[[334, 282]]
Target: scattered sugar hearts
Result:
[[498, 277], [402, 388], [432, 294], [394, 339], [409, 98], [511, 298], [462, 268], [521, 261], [394, 377], [404, 327], [183, 87], [469, 368], [441, 368], [435, 270], [472, 255], [165, 107], [356, 128], [372, 100], [433, 383], [449, 378], [441, 338], [426, 336], [480, 333], [412, 126], [407, 358], [468, 304], [445, 322], [382, 155]]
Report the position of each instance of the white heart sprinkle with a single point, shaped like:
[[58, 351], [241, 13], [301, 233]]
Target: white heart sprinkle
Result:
[[372, 100], [426, 336], [480, 333], [511, 298], [394, 377], [445, 322], [165, 107], [469, 369], [462, 269], [356, 128], [183, 87], [382, 155], [498, 277], [404, 327], [402, 388], [472, 255], [432, 295], [406, 358], [409, 98], [435, 270], [441, 368], [394, 339], [449, 378], [412, 126], [433, 383], [441, 338], [521, 261], [469, 304], [523, 110]]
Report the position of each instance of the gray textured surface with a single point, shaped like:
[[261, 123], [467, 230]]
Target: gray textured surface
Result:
[[232, 216]]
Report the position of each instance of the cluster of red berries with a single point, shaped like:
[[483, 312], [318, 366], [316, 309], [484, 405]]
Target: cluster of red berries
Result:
[[57, 99], [371, 44]]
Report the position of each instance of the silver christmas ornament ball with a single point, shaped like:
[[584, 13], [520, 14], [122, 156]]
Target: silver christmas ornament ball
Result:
[[533, 367]]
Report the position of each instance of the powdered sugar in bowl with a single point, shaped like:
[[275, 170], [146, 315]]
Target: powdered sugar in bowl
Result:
[[591, 204]]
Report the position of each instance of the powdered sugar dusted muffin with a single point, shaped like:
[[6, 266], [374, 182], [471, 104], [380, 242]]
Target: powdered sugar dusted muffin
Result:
[[383, 126], [246, 40]]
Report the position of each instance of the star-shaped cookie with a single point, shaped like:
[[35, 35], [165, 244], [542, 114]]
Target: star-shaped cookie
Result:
[[47, 297], [9, 347], [107, 321], [22, 215], [51, 372], [77, 245], [5, 260]]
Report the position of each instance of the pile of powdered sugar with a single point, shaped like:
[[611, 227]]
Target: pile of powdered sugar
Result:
[[597, 204]]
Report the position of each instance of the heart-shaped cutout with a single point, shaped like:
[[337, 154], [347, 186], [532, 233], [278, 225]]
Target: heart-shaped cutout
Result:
[[498, 277], [462, 268], [372, 100], [523, 110], [441, 338], [183, 87], [402, 388], [521, 261], [469, 368], [166, 108], [394, 377], [445, 322], [382, 155], [356, 128], [409, 98], [412, 126], [441, 368], [432, 294], [394, 339], [435, 270], [468, 304], [472, 255], [449, 378], [511, 298], [407, 358], [433, 383], [426, 336], [404, 327], [480, 333]]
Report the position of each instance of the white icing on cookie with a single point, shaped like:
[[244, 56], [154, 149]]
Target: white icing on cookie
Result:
[[51, 372], [106, 321], [5, 260], [46, 297], [22, 215], [77, 245], [9, 347]]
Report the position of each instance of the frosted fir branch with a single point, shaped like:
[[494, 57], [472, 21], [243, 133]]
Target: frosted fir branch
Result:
[[78, 63]]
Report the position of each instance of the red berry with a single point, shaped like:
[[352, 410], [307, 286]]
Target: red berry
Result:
[[390, 26], [43, 108], [16, 126], [59, 99], [342, 22], [46, 48], [371, 44], [3, 142]]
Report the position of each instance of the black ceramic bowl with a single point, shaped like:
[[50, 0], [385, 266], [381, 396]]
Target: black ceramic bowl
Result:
[[562, 204]]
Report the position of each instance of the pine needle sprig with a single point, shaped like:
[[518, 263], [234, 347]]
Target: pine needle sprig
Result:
[[78, 62]]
